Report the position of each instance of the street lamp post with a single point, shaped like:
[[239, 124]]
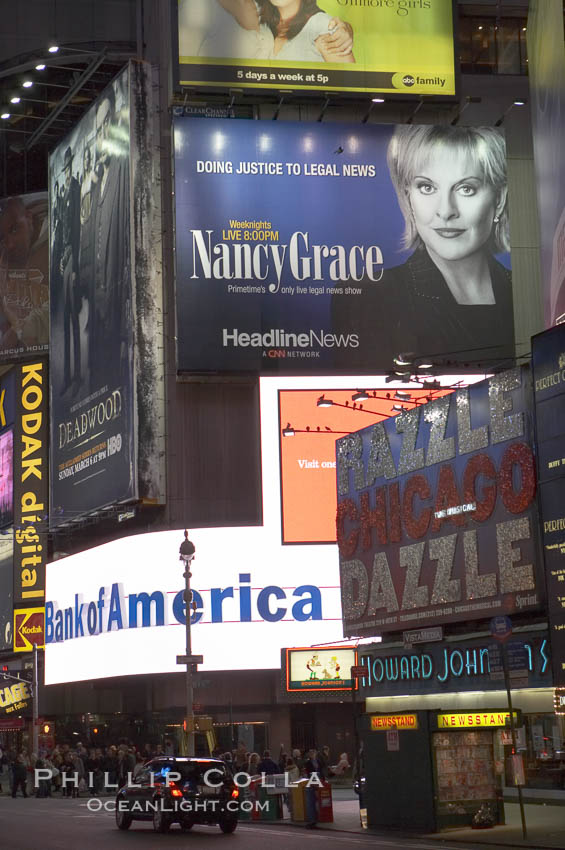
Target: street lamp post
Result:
[[186, 552], [35, 711]]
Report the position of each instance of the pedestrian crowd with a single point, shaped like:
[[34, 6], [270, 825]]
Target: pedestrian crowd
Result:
[[96, 770], [295, 763]]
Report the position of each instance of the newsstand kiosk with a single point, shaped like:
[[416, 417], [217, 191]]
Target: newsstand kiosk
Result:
[[428, 770]]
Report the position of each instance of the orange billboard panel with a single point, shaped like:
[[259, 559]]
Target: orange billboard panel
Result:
[[308, 477]]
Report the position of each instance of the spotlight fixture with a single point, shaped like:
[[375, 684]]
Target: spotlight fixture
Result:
[[397, 407], [324, 402], [53, 48], [15, 99], [403, 360], [40, 67], [402, 373], [288, 431], [508, 109], [425, 366], [360, 395], [27, 84], [432, 385], [402, 395], [378, 99], [4, 116]]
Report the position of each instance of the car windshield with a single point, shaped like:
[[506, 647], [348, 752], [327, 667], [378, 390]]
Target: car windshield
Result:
[[193, 772]]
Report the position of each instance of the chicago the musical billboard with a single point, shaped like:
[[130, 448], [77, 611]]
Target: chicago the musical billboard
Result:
[[328, 249], [398, 46], [437, 519]]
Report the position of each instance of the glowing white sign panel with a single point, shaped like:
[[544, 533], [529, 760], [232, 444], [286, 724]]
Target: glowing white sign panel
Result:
[[117, 609]]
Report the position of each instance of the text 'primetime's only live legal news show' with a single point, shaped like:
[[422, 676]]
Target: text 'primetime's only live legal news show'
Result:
[[309, 249]]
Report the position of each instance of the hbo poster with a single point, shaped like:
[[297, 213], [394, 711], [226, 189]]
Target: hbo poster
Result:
[[92, 388], [24, 276], [312, 249]]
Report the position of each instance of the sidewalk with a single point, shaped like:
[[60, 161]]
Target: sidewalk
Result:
[[545, 826]]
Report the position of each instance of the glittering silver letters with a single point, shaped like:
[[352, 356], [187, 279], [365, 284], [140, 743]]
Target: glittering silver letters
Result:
[[478, 586], [354, 589], [349, 454], [504, 427], [415, 595], [513, 578], [411, 458], [439, 448], [382, 593], [469, 440], [446, 589], [381, 461]]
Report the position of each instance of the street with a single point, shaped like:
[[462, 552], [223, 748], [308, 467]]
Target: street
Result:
[[57, 824]]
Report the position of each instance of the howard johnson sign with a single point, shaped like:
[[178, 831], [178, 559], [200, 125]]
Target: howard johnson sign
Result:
[[463, 665]]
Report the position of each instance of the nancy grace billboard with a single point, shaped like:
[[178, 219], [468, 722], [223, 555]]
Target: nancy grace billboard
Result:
[[319, 248], [436, 517], [99, 271], [24, 276], [379, 46]]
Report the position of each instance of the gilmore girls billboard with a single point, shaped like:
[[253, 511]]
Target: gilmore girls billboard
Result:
[[382, 45], [317, 249], [436, 517]]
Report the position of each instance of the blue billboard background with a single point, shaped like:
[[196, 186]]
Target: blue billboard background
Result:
[[334, 208]]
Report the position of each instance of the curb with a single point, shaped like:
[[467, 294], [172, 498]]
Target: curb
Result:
[[415, 837]]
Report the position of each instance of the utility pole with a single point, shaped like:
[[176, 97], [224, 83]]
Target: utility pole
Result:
[[513, 735], [186, 552]]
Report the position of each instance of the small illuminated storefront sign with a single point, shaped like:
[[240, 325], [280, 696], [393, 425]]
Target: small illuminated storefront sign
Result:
[[559, 701], [474, 720], [385, 722]]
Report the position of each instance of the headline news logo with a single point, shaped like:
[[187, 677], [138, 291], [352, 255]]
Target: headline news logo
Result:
[[277, 340]]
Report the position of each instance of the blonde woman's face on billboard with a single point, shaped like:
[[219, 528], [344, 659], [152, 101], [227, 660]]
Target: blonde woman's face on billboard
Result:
[[452, 205]]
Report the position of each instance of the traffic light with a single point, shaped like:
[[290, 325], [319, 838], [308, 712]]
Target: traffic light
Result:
[[46, 729]]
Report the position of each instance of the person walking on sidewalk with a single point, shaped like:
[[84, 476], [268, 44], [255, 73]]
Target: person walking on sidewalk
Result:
[[19, 773], [314, 771]]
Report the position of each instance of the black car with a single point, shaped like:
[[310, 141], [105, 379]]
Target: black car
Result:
[[180, 790]]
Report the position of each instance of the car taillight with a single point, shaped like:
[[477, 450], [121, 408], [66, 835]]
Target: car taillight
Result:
[[175, 792], [235, 793]]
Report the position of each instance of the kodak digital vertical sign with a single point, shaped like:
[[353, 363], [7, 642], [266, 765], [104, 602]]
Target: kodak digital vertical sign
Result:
[[31, 494]]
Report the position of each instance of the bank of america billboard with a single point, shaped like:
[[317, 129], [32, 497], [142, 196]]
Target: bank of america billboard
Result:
[[99, 273], [328, 249], [399, 46], [436, 516]]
